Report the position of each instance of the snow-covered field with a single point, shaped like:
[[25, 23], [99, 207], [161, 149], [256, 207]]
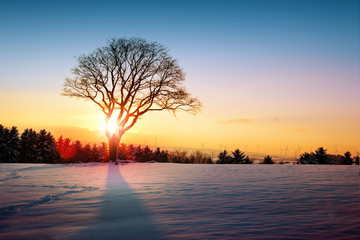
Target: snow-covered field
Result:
[[174, 201]]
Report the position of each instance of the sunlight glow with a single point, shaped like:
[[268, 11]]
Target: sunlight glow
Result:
[[111, 125]]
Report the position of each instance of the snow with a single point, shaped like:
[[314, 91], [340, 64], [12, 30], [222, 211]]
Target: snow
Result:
[[178, 201]]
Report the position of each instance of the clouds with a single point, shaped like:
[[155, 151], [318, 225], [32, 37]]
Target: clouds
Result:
[[235, 121]]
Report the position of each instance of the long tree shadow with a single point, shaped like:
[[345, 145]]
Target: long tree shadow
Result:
[[122, 216]]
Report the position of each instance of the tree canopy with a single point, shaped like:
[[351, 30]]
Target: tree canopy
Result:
[[127, 78]]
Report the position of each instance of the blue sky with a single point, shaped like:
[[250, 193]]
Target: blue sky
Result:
[[202, 31], [243, 59]]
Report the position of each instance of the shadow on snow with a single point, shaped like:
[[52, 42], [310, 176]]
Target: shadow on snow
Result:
[[121, 216]]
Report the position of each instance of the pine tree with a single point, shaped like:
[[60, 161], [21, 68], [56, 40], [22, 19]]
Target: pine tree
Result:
[[104, 152], [95, 153], [147, 154], [121, 153], [28, 142], [86, 154], [357, 158], [160, 156], [268, 160], [247, 160], [307, 158], [138, 154], [130, 152], [12, 142], [347, 159], [77, 148], [60, 146], [223, 158], [322, 157], [46, 148], [238, 156], [2, 144], [53, 154], [68, 149]]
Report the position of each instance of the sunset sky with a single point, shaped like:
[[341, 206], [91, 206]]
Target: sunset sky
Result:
[[270, 74]]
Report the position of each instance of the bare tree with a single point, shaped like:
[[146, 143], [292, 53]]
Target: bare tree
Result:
[[128, 78]]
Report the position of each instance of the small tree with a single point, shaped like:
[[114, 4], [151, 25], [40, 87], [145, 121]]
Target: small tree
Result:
[[238, 156], [347, 159], [200, 158], [103, 152], [147, 154], [122, 152], [77, 149], [86, 155], [357, 158], [321, 157], [223, 158], [307, 158], [126, 79], [161, 156], [268, 160], [247, 160], [95, 153]]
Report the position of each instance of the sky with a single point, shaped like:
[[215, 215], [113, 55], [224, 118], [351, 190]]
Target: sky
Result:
[[272, 75]]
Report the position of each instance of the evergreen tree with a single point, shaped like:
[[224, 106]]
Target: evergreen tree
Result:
[[53, 154], [357, 158], [68, 150], [347, 159], [307, 158], [138, 154], [121, 153], [160, 156], [46, 148], [104, 152], [223, 158], [247, 160], [60, 146], [238, 156], [130, 152], [268, 160], [77, 148], [2, 144], [86, 155], [321, 157], [95, 153], [28, 145], [11, 152], [147, 154]]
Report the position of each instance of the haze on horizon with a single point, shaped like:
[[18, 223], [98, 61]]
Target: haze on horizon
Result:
[[270, 74]]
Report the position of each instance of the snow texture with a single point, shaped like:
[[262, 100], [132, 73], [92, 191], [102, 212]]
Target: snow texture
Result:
[[177, 201]]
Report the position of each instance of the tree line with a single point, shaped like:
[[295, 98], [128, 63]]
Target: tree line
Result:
[[41, 147], [320, 156]]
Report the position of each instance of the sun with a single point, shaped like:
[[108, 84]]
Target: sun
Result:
[[111, 126]]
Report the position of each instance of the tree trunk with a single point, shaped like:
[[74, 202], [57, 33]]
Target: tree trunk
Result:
[[113, 147]]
